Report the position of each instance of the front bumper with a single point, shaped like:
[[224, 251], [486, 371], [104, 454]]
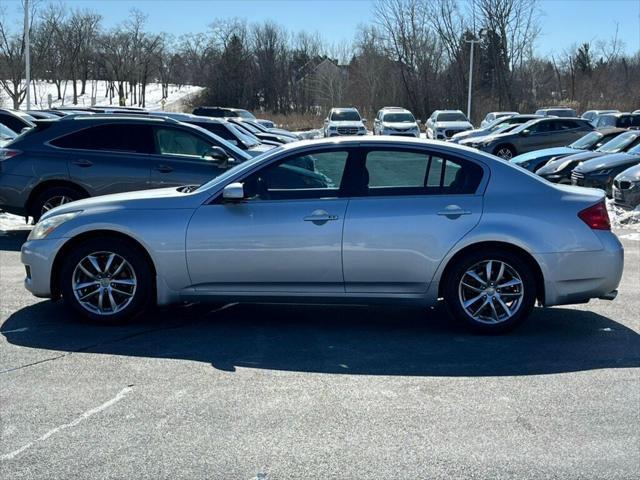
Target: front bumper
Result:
[[577, 277], [398, 133], [37, 257], [626, 198]]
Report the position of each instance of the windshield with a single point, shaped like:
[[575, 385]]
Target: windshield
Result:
[[451, 117], [562, 112], [6, 132], [634, 150], [246, 138], [502, 127], [398, 118], [606, 121], [586, 142], [345, 116], [524, 126], [245, 114], [619, 143], [241, 167], [230, 148]]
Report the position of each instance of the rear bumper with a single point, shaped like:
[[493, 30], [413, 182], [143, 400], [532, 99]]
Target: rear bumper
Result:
[[14, 192], [577, 277]]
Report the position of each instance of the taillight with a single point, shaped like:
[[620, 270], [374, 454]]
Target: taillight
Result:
[[596, 216], [7, 153]]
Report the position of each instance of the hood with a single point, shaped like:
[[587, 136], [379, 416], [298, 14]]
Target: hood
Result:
[[545, 152], [141, 199], [259, 149], [400, 125], [346, 123], [459, 124], [284, 133], [479, 132], [612, 160], [583, 156]]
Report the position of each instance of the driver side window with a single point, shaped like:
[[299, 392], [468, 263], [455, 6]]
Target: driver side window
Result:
[[175, 141], [313, 175]]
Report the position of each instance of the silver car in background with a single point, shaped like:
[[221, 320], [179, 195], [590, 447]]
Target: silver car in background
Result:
[[357, 220]]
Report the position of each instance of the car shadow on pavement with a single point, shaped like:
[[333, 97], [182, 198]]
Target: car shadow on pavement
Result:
[[12, 240], [333, 339]]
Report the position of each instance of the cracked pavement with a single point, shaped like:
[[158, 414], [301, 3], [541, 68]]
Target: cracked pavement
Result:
[[271, 392]]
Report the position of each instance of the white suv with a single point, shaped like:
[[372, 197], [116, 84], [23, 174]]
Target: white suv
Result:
[[344, 121], [444, 124], [396, 121]]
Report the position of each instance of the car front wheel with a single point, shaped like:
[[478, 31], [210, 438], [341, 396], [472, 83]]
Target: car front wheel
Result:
[[108, 281], [491, 291]]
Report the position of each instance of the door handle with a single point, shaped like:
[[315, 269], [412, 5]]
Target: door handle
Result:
[[164, 168], [82, 163], [320, 216], [453, 211]]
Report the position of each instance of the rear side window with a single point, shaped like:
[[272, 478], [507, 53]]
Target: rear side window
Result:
[[219, 130], [567, 124], [112, 137], [389, 172]]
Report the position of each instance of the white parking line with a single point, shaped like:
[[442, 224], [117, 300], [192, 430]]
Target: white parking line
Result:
[[81, 418]]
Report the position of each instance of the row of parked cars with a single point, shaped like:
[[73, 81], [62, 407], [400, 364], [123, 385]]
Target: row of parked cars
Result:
[[49, 158]]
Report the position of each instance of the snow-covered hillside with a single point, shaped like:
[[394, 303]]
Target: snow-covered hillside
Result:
[[175, 101]]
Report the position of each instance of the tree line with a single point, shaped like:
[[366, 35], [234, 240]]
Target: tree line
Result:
[[415, 53]]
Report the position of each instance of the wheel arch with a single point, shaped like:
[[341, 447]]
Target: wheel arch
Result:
[[521, 252], [505, 144], [41, 187], [85, 236]]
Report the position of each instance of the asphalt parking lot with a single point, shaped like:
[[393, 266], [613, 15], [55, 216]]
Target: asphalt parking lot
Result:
[[250, 391]]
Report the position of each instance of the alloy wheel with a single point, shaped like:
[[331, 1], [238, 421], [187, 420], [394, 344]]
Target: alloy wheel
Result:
[[505, 153], [55, 202], [491, 291], [104, 283]]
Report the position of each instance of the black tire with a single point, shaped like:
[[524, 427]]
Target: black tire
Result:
[[38, 204], [142, 295], [452, 290], [506, 152]]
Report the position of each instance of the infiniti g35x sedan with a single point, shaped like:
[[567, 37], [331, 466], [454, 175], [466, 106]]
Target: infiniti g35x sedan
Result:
[[338, 221]]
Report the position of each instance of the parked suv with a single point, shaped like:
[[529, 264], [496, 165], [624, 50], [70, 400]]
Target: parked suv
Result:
[[535, 135], [59, 161], [620, 120], [557, 112], [396, 121], [222, 112], [443, 124], [344, 121]]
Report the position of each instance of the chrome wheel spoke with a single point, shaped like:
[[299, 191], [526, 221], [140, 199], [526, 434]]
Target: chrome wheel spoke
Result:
[[96, 289], [500, 301]]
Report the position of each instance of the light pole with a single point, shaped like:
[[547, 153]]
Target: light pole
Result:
[[27, 53], [473, 40]]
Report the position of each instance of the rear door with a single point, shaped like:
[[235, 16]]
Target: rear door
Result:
[[181, 158], [414, 205], [108, 158]]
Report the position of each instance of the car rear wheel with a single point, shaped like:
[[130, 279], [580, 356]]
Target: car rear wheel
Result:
[[492, 291], [507, 152], [108, 281], [53, 197]]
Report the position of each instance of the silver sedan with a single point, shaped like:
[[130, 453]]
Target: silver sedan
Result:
[[336, 221]]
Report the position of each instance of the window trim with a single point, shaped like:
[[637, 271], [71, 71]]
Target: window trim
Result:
[[430, 153]]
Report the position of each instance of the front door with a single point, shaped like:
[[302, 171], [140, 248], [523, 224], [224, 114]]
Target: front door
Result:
[[285, 236], [414, 208]]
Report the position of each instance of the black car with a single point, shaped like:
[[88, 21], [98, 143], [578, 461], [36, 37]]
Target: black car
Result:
[[559, 171], [15, 119], [600, 172], [222, 112], [620, 120], [76, 156], [262, 133]]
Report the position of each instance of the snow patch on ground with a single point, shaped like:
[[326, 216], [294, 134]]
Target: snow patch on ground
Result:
[[174, 102], [12, 222], [621, 218]]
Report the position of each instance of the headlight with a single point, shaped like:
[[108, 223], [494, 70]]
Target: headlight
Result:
[[333, 128], [604, 171], [48, 225]]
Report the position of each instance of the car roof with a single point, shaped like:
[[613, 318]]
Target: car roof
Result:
[[110, 117], [344, 109]]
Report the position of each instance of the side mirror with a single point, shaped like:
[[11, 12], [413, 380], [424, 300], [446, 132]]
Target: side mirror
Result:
[[419, 122], [525, 133], [217, 153], [326, 120], [364, 121], [233, 192]]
